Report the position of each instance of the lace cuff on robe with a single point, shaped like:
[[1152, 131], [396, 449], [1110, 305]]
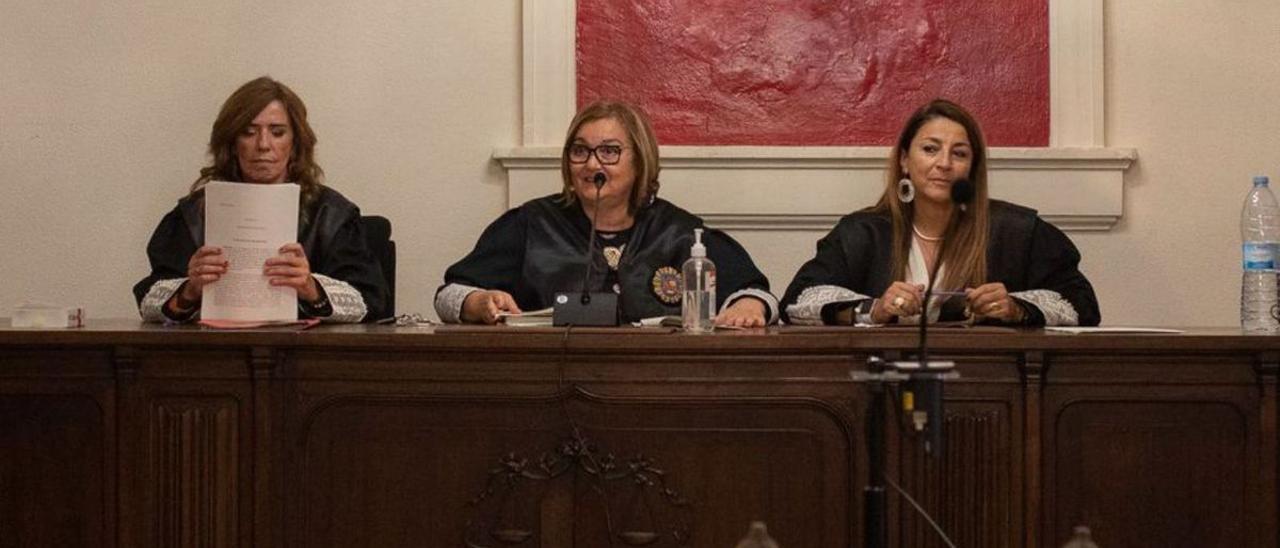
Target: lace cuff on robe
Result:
[[449, 301], [152, 308], [347, 302], [1055, 309], [808, 307]]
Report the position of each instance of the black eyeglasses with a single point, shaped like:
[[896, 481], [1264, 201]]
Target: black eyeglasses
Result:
[[606, 154]]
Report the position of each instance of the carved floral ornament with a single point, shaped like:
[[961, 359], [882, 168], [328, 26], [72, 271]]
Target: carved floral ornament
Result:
[[639, 508]]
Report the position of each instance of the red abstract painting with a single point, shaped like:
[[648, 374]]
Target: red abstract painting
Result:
[[817, 72]]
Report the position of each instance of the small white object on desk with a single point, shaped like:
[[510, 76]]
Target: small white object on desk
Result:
[[1112, 329], [47, 316]]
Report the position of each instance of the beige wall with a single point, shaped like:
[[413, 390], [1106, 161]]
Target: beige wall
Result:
[[105, 107], [1193, 86]]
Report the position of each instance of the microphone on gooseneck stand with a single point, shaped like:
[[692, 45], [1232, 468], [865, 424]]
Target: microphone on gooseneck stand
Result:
[[923, 379], [590, 309], [599, 179], [927, 377]]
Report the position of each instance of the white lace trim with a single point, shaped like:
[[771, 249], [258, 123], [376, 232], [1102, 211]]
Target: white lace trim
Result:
[[1056, 310], [772, 302], [152, 307], [808, 307], [449, 301], [347, 302]]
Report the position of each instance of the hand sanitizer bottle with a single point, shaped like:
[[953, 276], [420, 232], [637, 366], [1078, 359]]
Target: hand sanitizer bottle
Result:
[[699, 276]]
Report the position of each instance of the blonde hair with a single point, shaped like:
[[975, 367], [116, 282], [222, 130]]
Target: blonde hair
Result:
[[238, 113], [644, 148], [967, 235]]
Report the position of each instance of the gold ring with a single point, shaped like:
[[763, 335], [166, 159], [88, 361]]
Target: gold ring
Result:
[[899, 301]]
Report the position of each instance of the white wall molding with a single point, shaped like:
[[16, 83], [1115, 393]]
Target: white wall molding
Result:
[[809, 188], [549, 83], [1076, 74], [1076, 182]]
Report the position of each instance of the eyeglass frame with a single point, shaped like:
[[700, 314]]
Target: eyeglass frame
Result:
[[592, 151]]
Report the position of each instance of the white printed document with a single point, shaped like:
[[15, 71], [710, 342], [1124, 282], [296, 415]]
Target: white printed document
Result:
[[249, 222]]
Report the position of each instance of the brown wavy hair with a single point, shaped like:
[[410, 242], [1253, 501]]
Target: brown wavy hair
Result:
[[644, 147], [967, 235], [238, 113]]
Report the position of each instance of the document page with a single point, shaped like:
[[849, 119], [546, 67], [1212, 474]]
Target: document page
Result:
[[249, 222]]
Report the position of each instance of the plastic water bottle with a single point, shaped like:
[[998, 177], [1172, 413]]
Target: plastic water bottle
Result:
[[1081, 537], [1260, 232], [758, 537], [699, 276]]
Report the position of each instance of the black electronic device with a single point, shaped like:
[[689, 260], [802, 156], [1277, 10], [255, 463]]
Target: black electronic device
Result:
[[587, 308]]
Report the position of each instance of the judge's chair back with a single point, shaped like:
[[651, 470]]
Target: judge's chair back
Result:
[[377, 233]]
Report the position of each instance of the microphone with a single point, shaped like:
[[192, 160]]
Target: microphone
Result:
[[591, 309], [599, 180], [962, 193], [929, 384]]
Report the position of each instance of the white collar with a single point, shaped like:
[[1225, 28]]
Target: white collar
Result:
[[917, 274]]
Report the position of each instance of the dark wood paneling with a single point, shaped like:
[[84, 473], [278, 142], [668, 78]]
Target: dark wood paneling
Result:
[[54, 471], [186, 434], [57, 446], [966, 488], [390, 471], [195, 461], [1153, 473], [129, 435], [1159, 451]]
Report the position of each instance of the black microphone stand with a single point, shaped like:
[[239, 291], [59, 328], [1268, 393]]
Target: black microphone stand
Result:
[[924, 377], [927, 377], [599, 181]]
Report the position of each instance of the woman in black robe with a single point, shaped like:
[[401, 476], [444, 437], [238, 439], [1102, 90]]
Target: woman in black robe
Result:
[[536, 250], [262, 136], [995, 262]]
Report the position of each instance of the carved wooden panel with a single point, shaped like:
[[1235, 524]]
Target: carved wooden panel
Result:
[[195, 447], [966, 487], [54, 471], [415, 471]]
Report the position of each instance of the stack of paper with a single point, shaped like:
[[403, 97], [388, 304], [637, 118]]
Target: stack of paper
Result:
[[536, 318]]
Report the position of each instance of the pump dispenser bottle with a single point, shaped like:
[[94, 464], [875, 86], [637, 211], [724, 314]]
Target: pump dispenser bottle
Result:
[[699, 277]]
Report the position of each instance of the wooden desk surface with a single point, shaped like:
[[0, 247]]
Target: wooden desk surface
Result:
[[783, 339]]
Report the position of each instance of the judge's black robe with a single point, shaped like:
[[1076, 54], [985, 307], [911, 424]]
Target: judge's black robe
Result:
[[538, 249], [1024, 253], [332, 238]]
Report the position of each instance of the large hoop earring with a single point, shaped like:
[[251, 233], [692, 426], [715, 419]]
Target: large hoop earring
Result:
[[906, 191]]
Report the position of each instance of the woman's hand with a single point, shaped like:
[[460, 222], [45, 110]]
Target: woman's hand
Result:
[[483, 306], [744, 312], [900, 299], [993, 301], [207, 265], [291, 269]]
